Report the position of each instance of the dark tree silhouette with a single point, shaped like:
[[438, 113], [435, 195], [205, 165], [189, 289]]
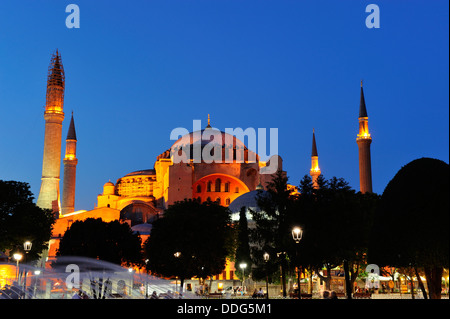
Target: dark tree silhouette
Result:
[[22, 220], [201, 235], [411, 229]]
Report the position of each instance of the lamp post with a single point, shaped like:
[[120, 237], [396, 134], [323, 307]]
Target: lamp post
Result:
[[177, 256], [297, 236], [146, 279], [243, 266], [266, 257], [130, 270], [27, 247], [17, 257], [36, 274]]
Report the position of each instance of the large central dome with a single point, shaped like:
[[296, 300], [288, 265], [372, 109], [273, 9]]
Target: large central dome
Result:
[[230, 146], [209, 135]]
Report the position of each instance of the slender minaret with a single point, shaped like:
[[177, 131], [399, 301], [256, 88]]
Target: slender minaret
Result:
[[364, 140], [70, 168], [54, 116], [315, 170]]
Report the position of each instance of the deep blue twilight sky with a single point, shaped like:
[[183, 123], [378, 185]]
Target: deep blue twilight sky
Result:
[[135, 70]]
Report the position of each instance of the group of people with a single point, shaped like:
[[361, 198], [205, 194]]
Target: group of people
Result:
[[169, 295], [80, 294], [258, 293]]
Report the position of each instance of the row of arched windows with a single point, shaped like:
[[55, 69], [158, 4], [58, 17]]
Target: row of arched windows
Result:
[[217, 187]]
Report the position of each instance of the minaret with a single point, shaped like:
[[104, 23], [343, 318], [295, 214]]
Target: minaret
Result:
[[54, 116], [70, 168], [315, 170], [364, 140]]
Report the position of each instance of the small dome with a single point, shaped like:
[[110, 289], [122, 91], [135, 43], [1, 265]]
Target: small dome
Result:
[[143, 229], [248, 200], [108, 188]]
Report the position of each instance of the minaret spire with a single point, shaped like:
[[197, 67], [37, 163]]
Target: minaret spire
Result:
[[315, 170], [364, 140], [70, 168], [54, 116]]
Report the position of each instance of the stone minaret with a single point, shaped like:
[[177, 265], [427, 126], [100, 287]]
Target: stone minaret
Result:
[[70, 169], [364, 140], [315, 170], [54, 116]]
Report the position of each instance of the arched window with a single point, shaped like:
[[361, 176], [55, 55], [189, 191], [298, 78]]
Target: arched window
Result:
[[227, 201], [227, 187], [199, 188], [217, 186], [218, 200], [208, 186], [237, 190]]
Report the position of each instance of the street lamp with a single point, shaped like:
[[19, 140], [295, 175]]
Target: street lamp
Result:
[[177, 255], [130, 270], [27, 247], [266, 257], [297, 236], [17, 257], [243, 266], [36, 274]]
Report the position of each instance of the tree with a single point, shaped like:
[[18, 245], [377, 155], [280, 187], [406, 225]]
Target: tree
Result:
[[336, 223], [411, 229], [114, 242], [22, 220], [243, 246], [191, 239], [274, 222]]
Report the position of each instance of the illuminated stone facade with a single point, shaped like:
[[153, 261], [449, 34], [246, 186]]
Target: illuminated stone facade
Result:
[[170, 181]]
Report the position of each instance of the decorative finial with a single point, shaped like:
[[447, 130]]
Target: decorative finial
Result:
[[209, 122], [361, 82], [313, 130]]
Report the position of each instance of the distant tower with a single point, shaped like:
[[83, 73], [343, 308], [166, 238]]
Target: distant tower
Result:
[[315, 170], [364, 140], [54, 116], [70, 169]]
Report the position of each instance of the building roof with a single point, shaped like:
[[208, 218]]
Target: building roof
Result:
[[142, 172]]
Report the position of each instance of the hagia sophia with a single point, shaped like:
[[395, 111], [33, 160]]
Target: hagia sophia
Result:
[[142, 195]]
